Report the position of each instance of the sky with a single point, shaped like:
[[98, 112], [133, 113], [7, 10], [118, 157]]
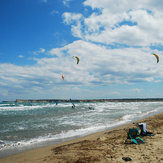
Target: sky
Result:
[[114, 40]]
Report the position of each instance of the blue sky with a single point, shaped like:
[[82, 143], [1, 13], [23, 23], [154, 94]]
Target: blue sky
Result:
[[38, 39]]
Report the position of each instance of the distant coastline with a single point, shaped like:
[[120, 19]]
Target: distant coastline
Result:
[[86, 100]]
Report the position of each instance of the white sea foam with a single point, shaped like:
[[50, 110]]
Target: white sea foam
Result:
[[27, 144], [19, 108], [150, 112], [21, 128], [22, 107], [128, 117]]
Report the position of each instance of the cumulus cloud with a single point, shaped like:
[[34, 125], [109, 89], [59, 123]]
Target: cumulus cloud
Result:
[[71, 17], [99, 65], [118, 20], [75, 20]]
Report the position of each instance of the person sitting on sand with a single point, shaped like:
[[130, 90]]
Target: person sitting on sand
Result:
[[143, 128]]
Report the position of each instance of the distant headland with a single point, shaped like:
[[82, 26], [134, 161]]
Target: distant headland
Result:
[[86, 100]]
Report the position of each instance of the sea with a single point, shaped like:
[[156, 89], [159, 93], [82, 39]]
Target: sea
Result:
[[24, 126]]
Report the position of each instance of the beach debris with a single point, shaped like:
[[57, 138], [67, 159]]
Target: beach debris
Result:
[[126, 158], [77, 58], [157, 57], [63, 77]]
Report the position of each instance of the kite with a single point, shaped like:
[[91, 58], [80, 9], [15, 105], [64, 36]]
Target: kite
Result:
[[62, 77], [77, 58], [157, 57]]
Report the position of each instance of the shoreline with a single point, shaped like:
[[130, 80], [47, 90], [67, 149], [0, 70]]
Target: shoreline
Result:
[[14, 150], [85, 100], [102, 146]]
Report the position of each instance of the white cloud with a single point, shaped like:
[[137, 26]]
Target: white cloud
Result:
[[76, 30], [101, 65], [123, 5], [75, 20], [71, 17], [20, 56], [118, 20], [98, 66], [66, 2], [41, 50]]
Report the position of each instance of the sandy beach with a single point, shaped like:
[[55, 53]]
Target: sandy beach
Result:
[[103, 147]]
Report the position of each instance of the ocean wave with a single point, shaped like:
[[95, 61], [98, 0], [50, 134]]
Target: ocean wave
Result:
[[2, 105], [22, 107], [8, 145], [62, 136]]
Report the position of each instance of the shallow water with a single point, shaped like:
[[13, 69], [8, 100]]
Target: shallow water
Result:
[[27, 125]]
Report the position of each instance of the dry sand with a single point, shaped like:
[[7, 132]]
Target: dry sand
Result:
[[103, 147]]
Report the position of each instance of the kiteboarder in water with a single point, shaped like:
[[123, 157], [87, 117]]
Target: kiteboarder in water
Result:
[[56, 102], [73, 105]]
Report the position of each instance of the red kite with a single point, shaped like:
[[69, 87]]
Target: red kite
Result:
[[62, 77]]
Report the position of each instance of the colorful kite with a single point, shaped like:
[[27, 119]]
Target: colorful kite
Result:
[[77, 58], [157, 57]]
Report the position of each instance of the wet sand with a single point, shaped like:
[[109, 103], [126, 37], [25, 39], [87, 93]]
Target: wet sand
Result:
[[103, 147]]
